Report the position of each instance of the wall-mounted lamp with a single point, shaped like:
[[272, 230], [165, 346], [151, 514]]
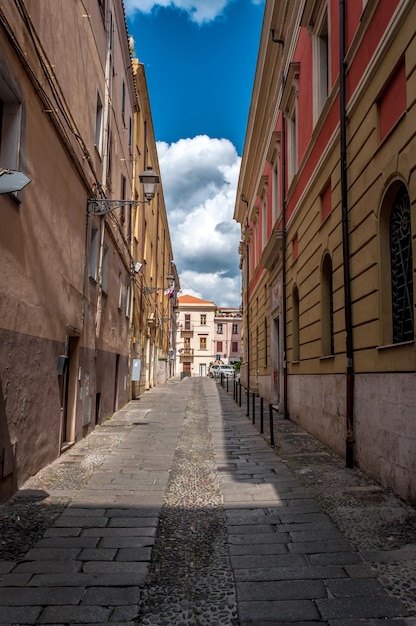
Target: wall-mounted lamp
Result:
[[170, 280], [101, 206], [12, 180]]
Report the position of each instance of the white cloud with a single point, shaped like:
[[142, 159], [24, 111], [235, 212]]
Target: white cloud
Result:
[[199, 178], [199, 11]]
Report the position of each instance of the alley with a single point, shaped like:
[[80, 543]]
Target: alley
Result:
[[177, 511]]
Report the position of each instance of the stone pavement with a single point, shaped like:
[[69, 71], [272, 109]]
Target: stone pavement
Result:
[[177, 511]]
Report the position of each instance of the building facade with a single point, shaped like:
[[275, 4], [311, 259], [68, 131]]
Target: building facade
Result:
[[155, 279], [326, 203], [227, 336], [195, 347], [68, 101]]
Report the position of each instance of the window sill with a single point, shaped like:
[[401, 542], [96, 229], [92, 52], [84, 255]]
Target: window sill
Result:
[[396, 345]]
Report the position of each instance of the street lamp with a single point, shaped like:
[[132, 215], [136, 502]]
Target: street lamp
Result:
[[101, 206], [170, 280]]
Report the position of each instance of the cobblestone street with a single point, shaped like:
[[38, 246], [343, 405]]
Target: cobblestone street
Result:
[[177, 511]]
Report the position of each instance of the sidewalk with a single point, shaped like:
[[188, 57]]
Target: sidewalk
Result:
[[177, 511]]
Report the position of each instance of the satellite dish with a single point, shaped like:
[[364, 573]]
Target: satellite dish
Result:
[[12, 180]]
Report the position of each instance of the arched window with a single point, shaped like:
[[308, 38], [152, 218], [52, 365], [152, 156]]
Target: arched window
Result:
[[295, 313], [327, 307], [401, 267]]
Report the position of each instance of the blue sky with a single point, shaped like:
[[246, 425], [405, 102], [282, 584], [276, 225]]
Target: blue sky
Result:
[[200, 58]]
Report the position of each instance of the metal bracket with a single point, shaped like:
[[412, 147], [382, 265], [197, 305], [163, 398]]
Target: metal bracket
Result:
[[104, 206]]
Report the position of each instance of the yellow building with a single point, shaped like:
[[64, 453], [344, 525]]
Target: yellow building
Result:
[[156, 282], [326, 202]]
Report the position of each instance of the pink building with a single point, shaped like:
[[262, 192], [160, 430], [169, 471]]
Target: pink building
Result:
[[227, 335]]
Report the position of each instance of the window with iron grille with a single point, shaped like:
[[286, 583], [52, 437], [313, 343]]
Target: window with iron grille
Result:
[[401, 268]]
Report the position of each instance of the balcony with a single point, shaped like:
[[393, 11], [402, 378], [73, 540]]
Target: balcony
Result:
[[186, 354]]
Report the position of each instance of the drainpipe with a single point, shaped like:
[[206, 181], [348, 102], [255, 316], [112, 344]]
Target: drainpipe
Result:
[[284, 183], [284, 163], [244, 199], [349, 347], [106, 116]]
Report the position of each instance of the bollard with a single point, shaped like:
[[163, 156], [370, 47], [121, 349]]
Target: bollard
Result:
[[239, 393], [227, 383], [248, 403], [271, 425], [261, 412], [261, 422], [254, 408]]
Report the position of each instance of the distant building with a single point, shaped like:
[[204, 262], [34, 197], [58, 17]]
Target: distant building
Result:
[[207, 334], [195, 347], [227, 335]]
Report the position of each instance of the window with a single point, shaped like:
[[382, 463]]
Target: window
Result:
[[102, 6], [264, 220], [123, 98], [10, 124], [128, 286], [327, 332], [295, 247], [122, 197], [276, 189], [219, 329], [315, 18], [235, 329], [119, 289], [321, 64], [290, 107], [219, 346], [187, 321], [99, 124], [94, 249], [326, 202], [401, 264], [105, 269], [202, 343], [130, 134], [295, 324], [234, 347], [203, 319], [393, 102]]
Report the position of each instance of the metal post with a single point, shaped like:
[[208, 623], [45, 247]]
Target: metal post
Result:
[[261, 409], [254, 407], [239, 393], [248, 402], [271, 425]]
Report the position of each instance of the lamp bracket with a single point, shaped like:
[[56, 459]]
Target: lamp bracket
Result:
[[153, 289], [104, 205]]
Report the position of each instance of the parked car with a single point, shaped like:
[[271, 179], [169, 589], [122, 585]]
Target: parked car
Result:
[[213, 369], [226, 370]]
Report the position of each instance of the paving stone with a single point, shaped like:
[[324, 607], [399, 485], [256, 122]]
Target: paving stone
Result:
[[360, 607], [283, 590], [292, 610], [74, 615], [14, 596], [11, 615], [112, 596]]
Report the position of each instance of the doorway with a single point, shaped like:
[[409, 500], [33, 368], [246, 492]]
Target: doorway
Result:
[[69, 394]]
